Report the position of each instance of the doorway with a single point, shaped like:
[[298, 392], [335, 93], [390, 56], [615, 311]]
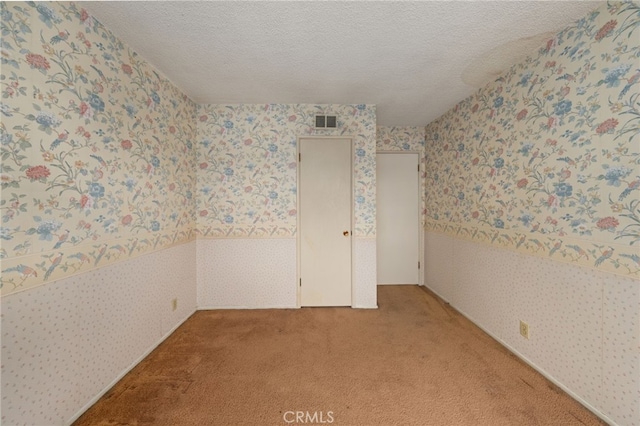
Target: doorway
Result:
[[325, 221], [398, 218]]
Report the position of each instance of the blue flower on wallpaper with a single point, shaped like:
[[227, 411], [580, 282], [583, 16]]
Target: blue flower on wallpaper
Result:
[[498, 223], [96, 102], [361, 107], [526, 219], [228, 171], [612, 75], [6, 139], [5, 110], [563, 189], [273, 195], [460, 147], [188, 195], [406, 146], [526, 149], [562, 107], [189, 145], [205, 143], [131, 110], [273, 147], [155, 161], [360, 199], [497, 103], [96, 190], [228, 219], [130, 183], [5, 233], [46, 228], [155, 97], [498, 163], [155, 225], [47, 120], [614, 174], [6, 14], [360, 152], [524, 79], [461, 196], [228, 124], [47, 15]]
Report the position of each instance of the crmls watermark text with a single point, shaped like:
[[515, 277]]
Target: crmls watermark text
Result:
[[305, 417]]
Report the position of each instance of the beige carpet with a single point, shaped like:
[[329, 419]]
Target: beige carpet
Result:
[[414, 361]]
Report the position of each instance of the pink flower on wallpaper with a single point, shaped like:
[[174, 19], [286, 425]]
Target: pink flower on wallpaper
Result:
[[172, 186], [203, 213], [475, 214], [522, 183], [126, 220], [475, 108], [475, 161], [126, 144], [203, 118], [248, 142], [292, 118], [172, 129], [84, 15], [522, 114], [607, 126], [85, 110], [606, 29], [37, 172], [126, 68], [38, 61], [608, 223], [203, 165], [86, 201]]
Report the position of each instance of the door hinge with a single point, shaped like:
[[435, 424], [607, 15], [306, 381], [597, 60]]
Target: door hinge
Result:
[[418, 265], [300, 282], [299, 157], [418, 167]]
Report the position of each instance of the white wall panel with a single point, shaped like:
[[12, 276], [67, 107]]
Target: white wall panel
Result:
[[247, 273]]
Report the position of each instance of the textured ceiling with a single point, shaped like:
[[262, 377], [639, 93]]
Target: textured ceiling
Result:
[[414, 60]]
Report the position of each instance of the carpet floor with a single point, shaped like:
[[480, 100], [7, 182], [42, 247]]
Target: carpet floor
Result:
[[413, 361]]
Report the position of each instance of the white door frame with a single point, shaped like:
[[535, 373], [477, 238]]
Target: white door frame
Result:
[[420, 192], [298, 220]]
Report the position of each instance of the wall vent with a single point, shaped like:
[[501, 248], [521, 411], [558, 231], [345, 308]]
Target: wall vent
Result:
[[326, 122]]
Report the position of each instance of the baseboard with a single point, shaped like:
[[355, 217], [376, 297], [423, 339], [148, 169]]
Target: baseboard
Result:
[[213, 308], [100, 394], [533, 365]]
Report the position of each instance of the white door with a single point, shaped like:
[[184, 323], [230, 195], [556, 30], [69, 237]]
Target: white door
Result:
[[398, 218], [324, 193]]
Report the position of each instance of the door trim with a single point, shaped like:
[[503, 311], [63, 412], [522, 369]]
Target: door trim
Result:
[[421, 188], [298, 220]]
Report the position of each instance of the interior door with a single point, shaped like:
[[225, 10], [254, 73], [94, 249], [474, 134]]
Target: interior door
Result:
[[324, 192], [398, 218]]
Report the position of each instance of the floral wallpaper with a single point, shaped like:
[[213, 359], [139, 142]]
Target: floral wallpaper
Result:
[[97, 148], [546, 159], [393, 139], [247, 166]]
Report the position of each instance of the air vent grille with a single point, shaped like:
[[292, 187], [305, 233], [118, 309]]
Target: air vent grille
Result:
[[326, 122]]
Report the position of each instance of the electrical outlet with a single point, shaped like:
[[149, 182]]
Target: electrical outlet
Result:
[[524, 329], [174, 304]]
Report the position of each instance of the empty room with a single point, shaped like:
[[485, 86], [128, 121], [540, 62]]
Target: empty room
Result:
[[319, 212]]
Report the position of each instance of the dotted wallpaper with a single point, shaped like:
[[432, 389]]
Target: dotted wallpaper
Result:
[[64, 343], [247, 273], [584, 325]]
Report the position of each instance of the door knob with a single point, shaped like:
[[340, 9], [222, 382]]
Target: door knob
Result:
[[345, 233]]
